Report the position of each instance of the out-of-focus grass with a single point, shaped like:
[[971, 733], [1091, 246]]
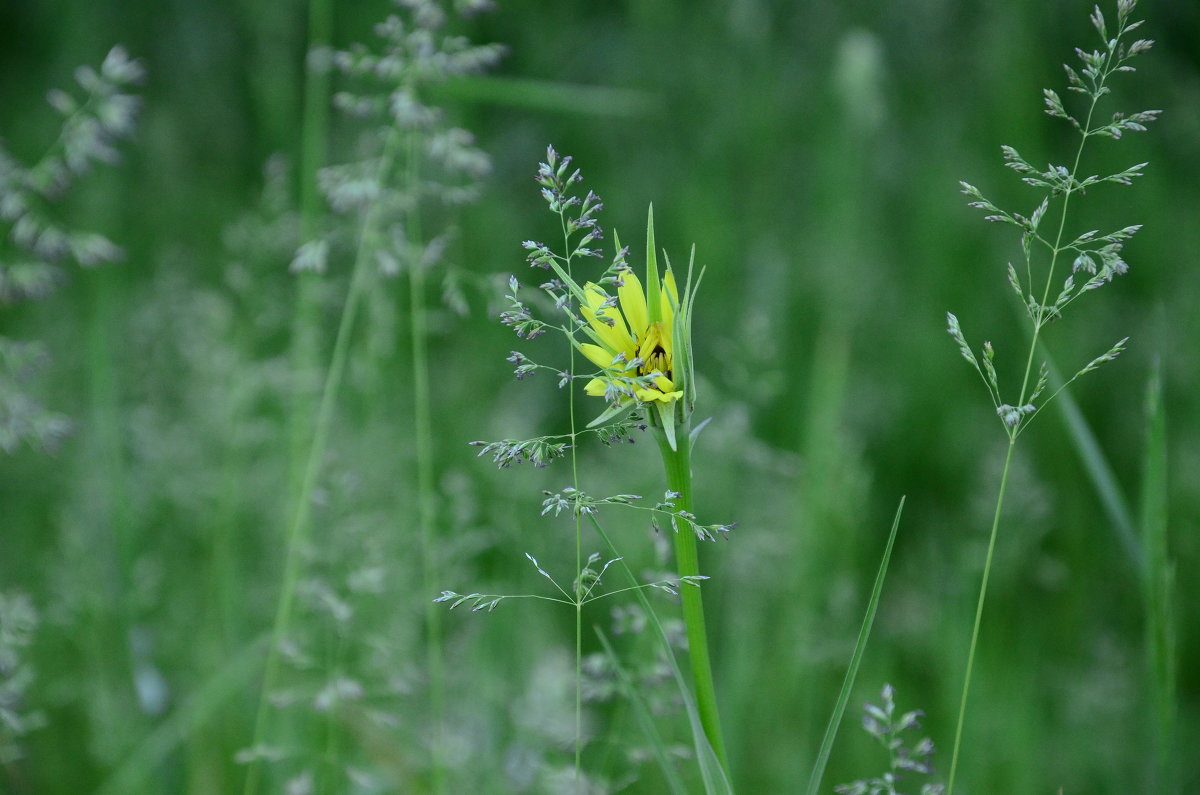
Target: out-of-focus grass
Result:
[[811, 154]]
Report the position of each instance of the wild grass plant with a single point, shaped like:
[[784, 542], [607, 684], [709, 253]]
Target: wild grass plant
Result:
[[18, 625], [37, 245], [881, 722], [1095, 260]]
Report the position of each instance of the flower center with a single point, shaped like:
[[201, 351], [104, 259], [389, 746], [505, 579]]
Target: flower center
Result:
[[655, 358]]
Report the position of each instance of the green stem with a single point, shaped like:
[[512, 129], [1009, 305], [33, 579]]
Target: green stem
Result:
[[426, 494], [306, 317], [578, 541], [678, 464], [987, 570]]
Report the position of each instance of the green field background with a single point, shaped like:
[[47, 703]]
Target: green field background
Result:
[[811, 152]]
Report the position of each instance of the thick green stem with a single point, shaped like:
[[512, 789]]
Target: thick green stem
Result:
[[983, 586], [678, 464]]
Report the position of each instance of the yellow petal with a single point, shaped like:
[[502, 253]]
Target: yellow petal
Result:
[[650, 341], [598, 356], [653, 395], [615, 336], [596, 387], [633, 304], [665, 384], [668, 315]]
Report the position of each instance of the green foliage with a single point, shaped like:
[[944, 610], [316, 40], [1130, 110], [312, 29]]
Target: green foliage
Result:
[[810, 153]]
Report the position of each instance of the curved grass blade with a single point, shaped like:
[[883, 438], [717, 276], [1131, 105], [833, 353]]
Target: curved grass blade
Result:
[[1099, 472], [839, 709], [1159, 584]]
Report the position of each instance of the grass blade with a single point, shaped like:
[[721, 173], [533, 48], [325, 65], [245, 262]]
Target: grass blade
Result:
[[1160, 631], [839, 709], [1099, 472]]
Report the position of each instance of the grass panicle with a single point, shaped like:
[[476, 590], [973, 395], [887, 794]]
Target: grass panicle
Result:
[[1095, 259]]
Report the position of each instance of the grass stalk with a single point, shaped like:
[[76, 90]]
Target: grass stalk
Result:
[[427, 514], [298, 527], [712, 771], [983, 587], [1041, 317], [1159, 586], [578, 595], [678, 465]]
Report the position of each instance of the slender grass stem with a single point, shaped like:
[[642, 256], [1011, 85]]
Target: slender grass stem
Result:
[[678, 464], [306, 317], [712, 772], [983, 586], [578, 599], [426, 495], [298, 526]]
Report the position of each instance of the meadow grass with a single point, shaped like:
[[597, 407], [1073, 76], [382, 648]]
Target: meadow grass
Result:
[[270, 467], [1097, 260]]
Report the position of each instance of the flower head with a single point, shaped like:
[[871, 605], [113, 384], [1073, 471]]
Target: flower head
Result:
[[635, 354], [641, 343]]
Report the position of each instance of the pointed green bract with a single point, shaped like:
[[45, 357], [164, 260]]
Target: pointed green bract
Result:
[[652, 291], [666, 414], [611, 413]]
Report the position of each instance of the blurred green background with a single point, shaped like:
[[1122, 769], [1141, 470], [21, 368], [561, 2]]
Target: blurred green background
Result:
[[811, 152]]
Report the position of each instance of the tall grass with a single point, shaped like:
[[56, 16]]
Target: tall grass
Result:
[[1097, 260]]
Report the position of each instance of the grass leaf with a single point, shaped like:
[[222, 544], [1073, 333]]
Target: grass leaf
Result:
[[839, 709]]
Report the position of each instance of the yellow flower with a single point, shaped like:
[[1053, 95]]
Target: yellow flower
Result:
[[632, 346], [641, 339]]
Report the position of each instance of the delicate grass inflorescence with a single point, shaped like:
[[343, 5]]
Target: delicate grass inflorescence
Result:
[[881, 722], [34, 245], [18, 625], [1095, 257]]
